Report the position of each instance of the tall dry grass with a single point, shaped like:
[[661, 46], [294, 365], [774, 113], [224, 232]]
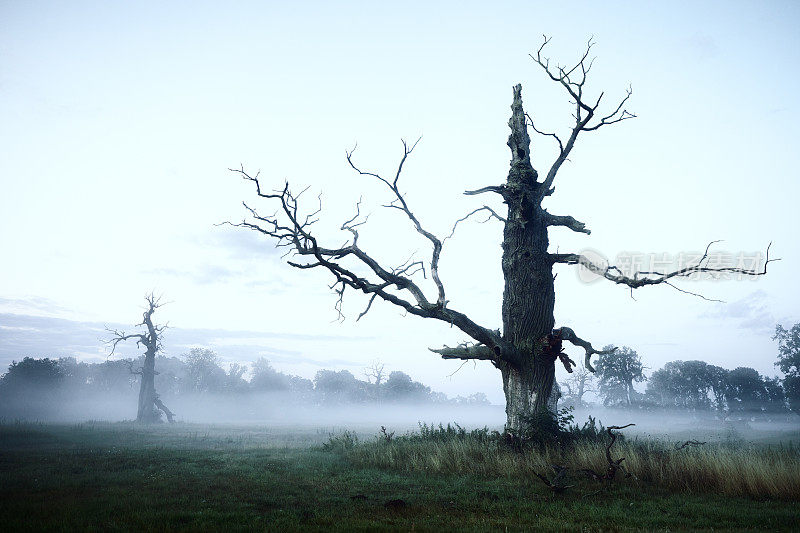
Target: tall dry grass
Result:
[[733, 468]]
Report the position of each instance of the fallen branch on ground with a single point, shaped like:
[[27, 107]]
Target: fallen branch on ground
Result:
[[613, 466]]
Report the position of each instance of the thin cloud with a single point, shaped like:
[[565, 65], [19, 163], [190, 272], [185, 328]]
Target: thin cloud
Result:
[[202, 275], [243, 256], [321, 363], [41, 336], [32, 304], [749, 313], [239, 243]]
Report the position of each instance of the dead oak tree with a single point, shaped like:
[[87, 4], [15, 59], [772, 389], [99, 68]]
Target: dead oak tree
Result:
[[150, 405], [527, 347]]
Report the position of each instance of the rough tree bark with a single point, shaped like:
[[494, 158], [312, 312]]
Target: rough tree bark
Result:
[[529, 345], [150, 405]]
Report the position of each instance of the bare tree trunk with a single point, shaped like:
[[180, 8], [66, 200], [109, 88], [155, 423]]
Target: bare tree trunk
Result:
[[148, 413], [524, 393], [529, 294]]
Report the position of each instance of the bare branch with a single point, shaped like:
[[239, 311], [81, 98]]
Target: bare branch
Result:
[[352, 223], [573, 81], [553, 135], [568, 334], [613, 465], [499, 189], [467, 351], [369, 304], [643, 278], [618, 115], [566, 221], [120, 336], [418, 266], [492, 214], [691, 293], [403, 206], [558, 483], [290, 228], [692, 443]]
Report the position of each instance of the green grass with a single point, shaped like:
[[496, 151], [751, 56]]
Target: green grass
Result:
[[92, 477]]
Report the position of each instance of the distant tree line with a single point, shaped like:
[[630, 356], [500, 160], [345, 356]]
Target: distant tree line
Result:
[[681, 385], [693, 385], [200, 372]]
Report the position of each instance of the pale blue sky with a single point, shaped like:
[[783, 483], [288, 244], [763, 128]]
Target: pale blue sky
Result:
[[118, 122]]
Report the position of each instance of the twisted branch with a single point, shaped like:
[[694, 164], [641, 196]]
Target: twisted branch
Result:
[[290, 228], [568, 334]]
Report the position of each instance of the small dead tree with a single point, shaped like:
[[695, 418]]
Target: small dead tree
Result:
[[525, 351], [375, 374], [150, 405], [579, 383]]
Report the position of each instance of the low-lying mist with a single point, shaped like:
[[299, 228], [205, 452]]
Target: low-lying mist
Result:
[[697, 425], [284, 411], [268, 408]]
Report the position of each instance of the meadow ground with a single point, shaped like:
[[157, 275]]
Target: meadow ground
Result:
[[103, 476]]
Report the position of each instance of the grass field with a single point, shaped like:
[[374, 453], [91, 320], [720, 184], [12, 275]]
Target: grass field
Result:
[[98, 476]]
